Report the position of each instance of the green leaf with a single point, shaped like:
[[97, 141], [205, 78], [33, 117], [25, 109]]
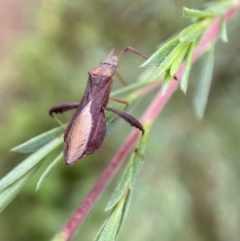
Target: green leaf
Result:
[[167, 62], [187, 67], [122, 187], [166, 81], [220, 7], [121, 198], [39, 141], [223, 32], [161, 54], [100, 231], [193, 31], [59, 237], [132, 169], [29, 163], [8, 194], [110, 230], [193, 13], [48, 170], [125, 210], [204, 83], [178, 61], [138, 158]]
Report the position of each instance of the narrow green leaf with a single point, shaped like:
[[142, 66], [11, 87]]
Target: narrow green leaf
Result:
[[99, 233], [193, 31], [138, 158], [121, 199], [30, 162], [111, 227], [130, 172], [223, 32], [178, 61], [59, 237], [187, 67], [193, 13], [166, 81], [8, 194], [48, 170], [161, 54], [127, 200], [166, 63], [122, 186], [125, 210], [220, 7], [204, 83], [35, 143]]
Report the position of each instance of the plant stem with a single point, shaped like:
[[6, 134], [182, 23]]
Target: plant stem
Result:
[[149, 117]]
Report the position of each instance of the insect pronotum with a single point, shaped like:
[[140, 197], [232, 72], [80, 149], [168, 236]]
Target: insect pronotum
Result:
[[86, 130]]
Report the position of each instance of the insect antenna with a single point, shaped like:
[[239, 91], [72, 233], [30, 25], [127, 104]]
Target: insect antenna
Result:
[[128, 48], [111, 52]]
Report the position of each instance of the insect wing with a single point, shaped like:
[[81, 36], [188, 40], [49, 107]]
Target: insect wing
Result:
[[78, 136], [98, 135]]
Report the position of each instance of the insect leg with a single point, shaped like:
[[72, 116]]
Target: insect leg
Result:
[[121, 101], [120, 78], [139, 154], [60, 108], [124, 102], [128, 118]]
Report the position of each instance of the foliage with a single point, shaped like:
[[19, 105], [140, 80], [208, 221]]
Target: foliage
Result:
[[169, 58]]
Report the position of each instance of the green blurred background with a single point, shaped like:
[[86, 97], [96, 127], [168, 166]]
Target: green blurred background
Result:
[[189, 186]]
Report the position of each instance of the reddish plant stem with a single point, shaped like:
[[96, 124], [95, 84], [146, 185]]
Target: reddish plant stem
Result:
[[87, 204], [149, 116]]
